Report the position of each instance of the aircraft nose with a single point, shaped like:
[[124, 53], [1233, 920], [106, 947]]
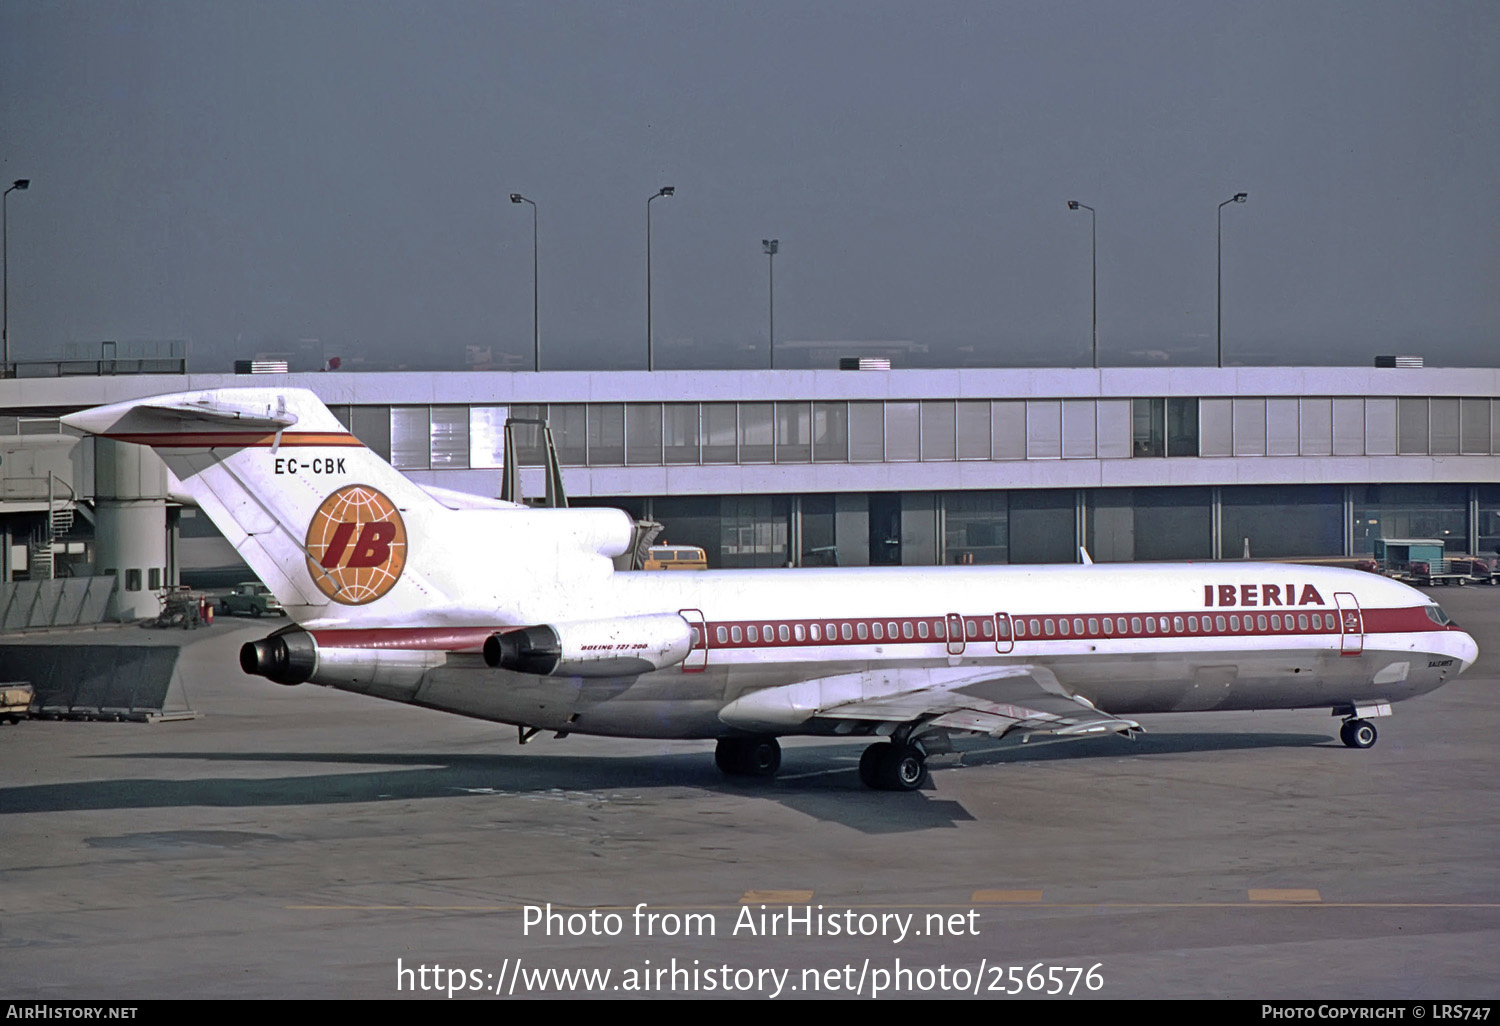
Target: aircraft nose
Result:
[[1467, 652]]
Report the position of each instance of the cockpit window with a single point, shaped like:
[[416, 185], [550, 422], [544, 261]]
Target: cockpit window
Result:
[[1436, 615]]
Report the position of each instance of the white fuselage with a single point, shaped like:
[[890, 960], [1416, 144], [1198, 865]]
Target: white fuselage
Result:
[[1132, 639]]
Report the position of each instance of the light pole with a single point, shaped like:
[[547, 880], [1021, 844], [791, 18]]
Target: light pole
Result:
[[771, 246], [666, 190], [1238, 197], [1093, 275], [536, 331], [22, 184]]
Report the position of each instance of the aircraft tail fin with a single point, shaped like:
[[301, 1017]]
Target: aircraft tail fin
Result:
[[317, 515]]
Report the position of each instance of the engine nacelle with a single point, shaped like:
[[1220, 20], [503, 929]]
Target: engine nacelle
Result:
[[290, 656], [622, 647]]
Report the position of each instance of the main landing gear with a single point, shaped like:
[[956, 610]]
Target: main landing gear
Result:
[[893, 766], [885, 766], [748, 756], [1358, 733]]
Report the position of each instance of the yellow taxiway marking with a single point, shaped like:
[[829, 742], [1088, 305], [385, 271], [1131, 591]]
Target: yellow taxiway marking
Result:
[[1285, 894], [776, 897], [1005, 897]]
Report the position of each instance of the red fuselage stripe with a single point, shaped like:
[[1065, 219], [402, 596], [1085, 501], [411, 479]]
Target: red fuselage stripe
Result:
[[1412, 620], [237, 439]]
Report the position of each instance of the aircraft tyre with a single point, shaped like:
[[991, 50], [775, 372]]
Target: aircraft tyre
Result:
[[748, 756], [897, 766], [1358, 733]]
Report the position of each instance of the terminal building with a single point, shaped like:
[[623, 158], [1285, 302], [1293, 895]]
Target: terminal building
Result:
[[836, 467]]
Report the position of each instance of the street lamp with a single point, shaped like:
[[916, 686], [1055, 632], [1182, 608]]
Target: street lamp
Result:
[[1238, 197], [666, 190], [1093, 274], [536, 331], [21, 184], [771, 246]]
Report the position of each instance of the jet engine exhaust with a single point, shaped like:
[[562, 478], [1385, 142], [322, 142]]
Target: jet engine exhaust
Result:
[[290, 656]]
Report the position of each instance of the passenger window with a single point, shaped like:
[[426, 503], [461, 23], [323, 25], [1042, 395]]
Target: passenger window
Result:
[[1234, 622], [734, 633], [906, 631], [1135, 625], [752, 635], [721, 634], [1062, 627], [1093, 625], [1177, 624], [1302, 621], [971, 629], [1150, 625], [832, 631], [1078, 625], [1020, 628], [1219, 624], [989, 628], [783, 633], [939, 629], [892, 631], [1109, 625], [1275, 622], [862, 630], [878, 631], [1193, 624], [922, 629], [1036, 627], [1047, 623], [1260, 622], [817, 634], [799, 632], [846, 631]]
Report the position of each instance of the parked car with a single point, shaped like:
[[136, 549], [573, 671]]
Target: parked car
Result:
[[251, 597]]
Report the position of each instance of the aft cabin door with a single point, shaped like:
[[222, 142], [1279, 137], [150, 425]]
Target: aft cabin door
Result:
[[697, 657], [1351, 624], [955, 634], [1003, 640]]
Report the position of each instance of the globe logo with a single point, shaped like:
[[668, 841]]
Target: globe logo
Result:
[[356, 545]]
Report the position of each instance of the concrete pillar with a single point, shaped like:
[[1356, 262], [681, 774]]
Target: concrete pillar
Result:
[[130, 488]]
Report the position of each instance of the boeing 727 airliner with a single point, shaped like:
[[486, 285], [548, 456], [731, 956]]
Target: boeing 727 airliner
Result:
[[516, 615]]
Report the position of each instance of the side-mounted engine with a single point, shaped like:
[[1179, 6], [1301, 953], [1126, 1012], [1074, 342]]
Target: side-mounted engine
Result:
[[620, 647]]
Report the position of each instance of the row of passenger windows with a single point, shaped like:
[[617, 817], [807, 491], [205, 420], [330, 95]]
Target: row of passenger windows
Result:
[[1034, 627], [1109, 626], [878, 630]]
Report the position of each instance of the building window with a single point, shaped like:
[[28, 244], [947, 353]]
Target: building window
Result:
[[132, 580], [720, 433], [606, 434], [793, 432], [1182, 427], [680, 432], [1148, 429], [938, 430], [411, 438], [757, 432], [830, 432]]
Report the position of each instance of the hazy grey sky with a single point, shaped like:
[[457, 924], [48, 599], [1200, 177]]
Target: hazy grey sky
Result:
[[269, 171]]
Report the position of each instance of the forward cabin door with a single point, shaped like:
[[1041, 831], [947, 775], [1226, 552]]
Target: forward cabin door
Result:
[[697, 657], [1351, 624]]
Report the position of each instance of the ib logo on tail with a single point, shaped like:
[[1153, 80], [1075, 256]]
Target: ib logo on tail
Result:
[[356, 545]]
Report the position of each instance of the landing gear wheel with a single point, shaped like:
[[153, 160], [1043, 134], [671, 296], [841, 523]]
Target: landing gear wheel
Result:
[[1358, 733], [869, 761], [893, 767], [748, 756]]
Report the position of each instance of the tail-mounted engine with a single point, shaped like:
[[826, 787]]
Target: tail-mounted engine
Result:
[[290, 656], [622, 647]]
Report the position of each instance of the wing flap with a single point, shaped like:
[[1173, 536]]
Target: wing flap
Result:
[[991, 700]]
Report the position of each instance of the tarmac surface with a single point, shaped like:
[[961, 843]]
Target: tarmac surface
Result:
[[302, 842]]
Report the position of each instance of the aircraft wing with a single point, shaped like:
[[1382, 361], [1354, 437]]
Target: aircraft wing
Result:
[[994, 701]]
